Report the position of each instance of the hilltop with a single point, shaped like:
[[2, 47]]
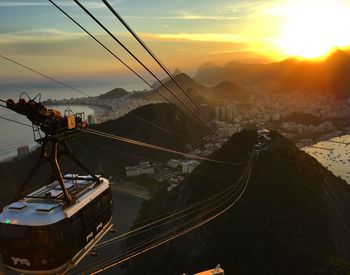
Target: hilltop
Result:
[[328, 76], [115, 93], [293, 218]]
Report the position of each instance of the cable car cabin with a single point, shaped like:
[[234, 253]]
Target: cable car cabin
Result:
[[41, 235]]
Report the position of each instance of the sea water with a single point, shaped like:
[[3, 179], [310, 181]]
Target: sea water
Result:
[[334, 154]]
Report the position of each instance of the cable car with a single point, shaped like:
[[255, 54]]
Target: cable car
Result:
[[42, 235], [51, 229]]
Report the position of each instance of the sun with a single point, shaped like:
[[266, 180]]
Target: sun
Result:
[[310, 28]]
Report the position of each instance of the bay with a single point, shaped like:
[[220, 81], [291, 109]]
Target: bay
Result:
[[334, 154]]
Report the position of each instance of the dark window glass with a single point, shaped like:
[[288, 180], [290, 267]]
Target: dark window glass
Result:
[[13, 231]]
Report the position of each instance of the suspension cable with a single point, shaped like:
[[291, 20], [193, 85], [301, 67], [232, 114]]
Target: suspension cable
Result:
[[155, 147], [107, 49], [213, 200], [118, 260], [140, 62], [43, 75], [152, 54], [15, 121]]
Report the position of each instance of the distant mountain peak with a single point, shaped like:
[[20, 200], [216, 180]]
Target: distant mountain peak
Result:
[[225, 85], [338, 55], [176, 72], [115, 93], [183, 78]]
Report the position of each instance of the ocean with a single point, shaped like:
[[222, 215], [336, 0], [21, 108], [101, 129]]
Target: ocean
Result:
[[334, 154]]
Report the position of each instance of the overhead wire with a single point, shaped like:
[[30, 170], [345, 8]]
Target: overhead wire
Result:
[[139, 61], [15, 121], [141, 244], [233, 148], [136, 251], [152, 54], [107, 49], [43, 75], [171, 221], [155, 147], [133, 141], [165, 69], [136, 117], [155, 161], [203, 204]]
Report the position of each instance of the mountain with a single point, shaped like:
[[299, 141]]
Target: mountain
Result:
[[222, 92], [157, 84], [109, 157], [293, 218], [115, 93], [227, 91], [328, 76], [245, 75]]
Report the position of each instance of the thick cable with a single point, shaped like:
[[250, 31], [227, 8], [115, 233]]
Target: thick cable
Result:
[[15, 121], [43, 75], [160, 242], [152, 54], [160, 222], [107, 49], [139, 61], [155, 147]]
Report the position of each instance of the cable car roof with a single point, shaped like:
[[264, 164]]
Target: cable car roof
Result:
[[44, 206]]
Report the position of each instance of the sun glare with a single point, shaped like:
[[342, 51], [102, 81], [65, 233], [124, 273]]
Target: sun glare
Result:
[[312, 28]]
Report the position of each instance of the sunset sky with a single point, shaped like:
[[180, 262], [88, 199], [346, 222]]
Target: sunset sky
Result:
[[184, 34]]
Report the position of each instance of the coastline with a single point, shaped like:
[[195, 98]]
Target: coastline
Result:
[[326, 137]]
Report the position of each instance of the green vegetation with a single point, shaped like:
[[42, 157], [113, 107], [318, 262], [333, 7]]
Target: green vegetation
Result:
[[287, 222]]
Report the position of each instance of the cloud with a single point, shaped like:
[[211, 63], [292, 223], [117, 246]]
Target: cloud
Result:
[[186, 16], [38, 35], [208, 37], [21, 4], [15, 3]]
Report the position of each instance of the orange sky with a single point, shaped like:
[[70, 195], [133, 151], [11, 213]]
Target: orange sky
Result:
[[184, 34]]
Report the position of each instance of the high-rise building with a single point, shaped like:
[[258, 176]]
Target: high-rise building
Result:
[[217, 112], [229, 112], [223, 112]]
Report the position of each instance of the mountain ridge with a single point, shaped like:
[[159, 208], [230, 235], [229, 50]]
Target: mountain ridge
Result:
[[328, 76]]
